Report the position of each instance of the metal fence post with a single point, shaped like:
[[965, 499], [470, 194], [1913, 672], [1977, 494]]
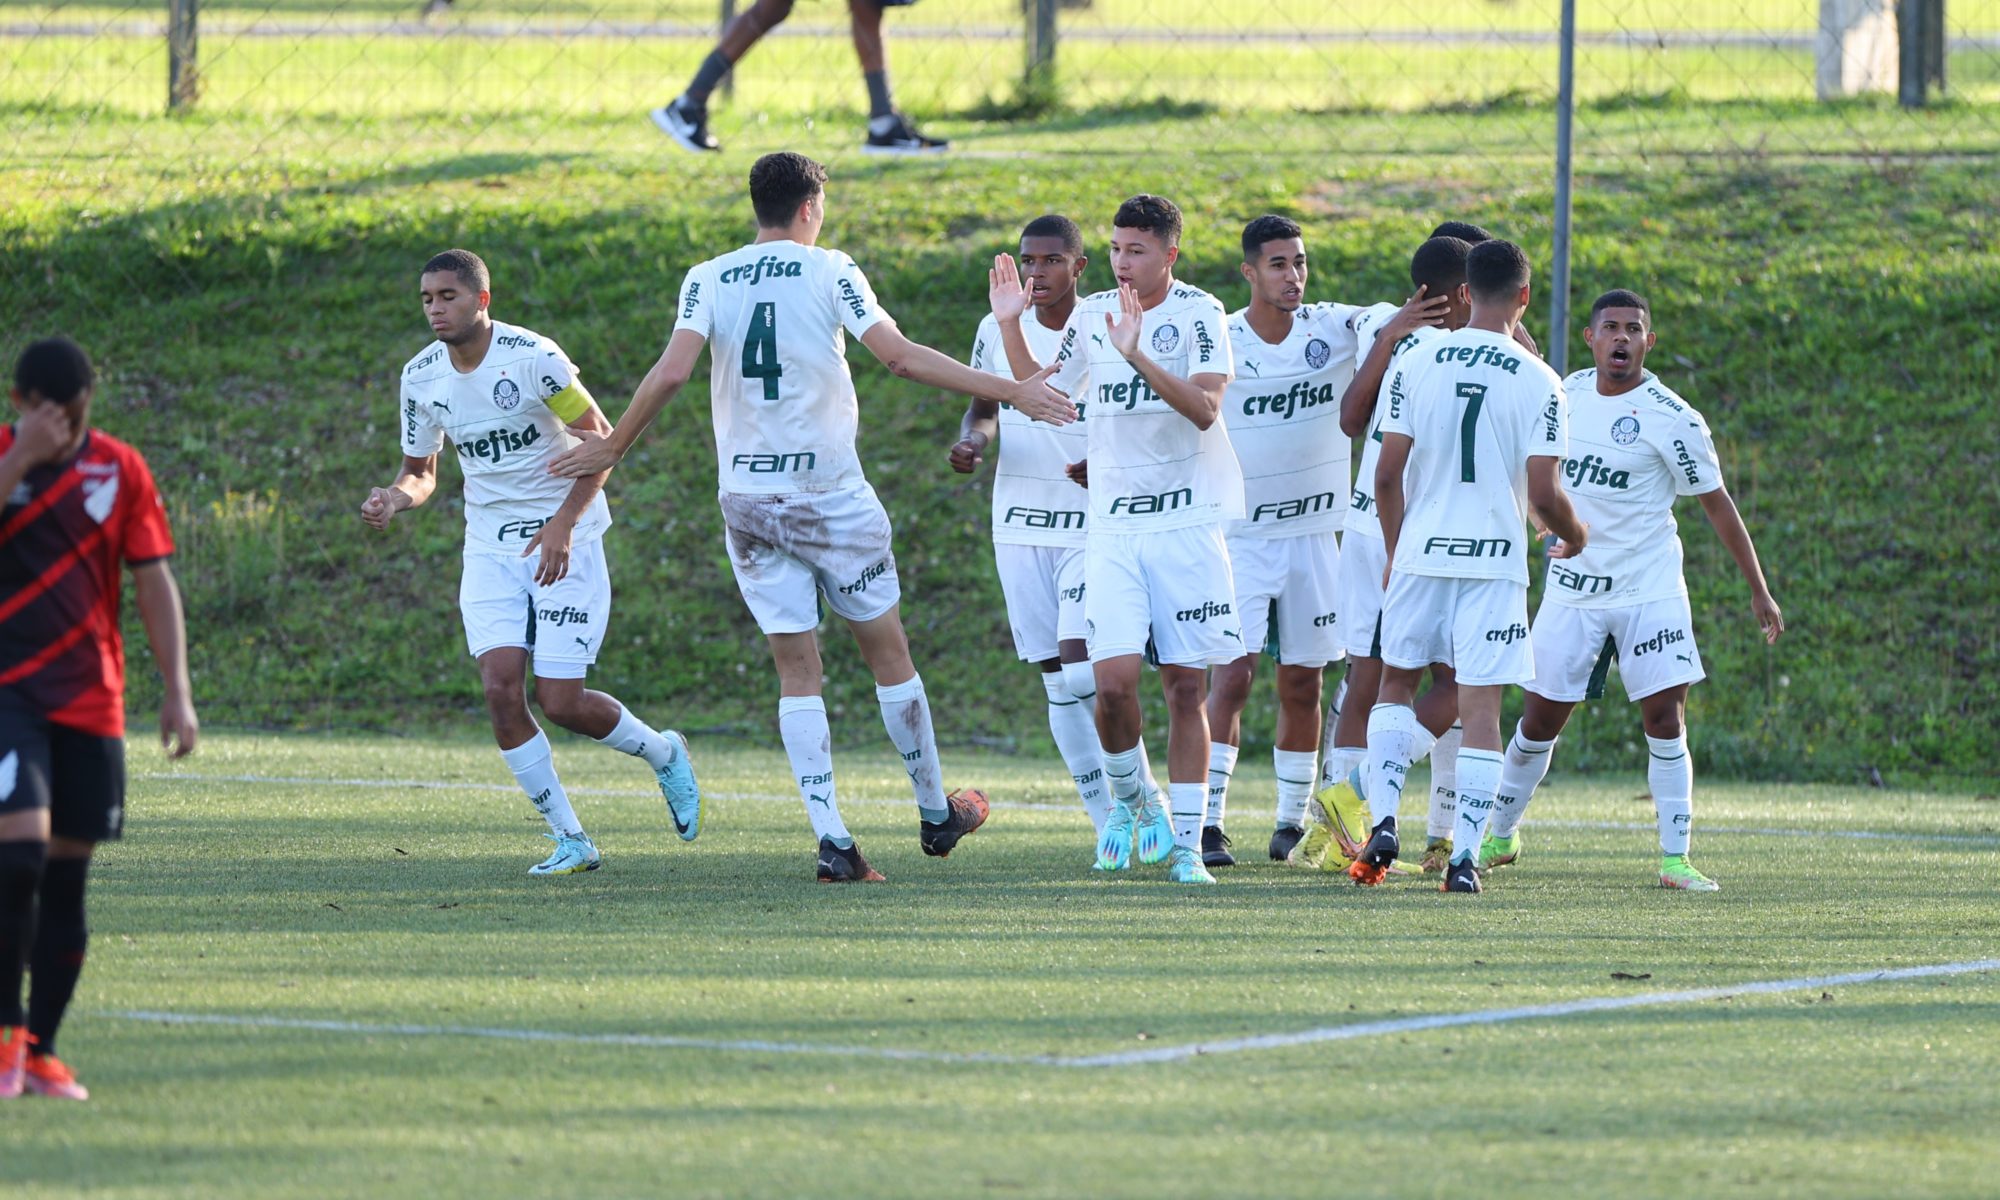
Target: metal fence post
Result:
[[728, 84], [1039, 76], [183, 62], [1920, 53], [1558, 344]]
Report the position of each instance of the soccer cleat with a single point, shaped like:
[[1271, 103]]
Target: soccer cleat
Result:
[[13, 1049], [1184, 866], [1377, 856], [46, 1075], [1215, 847], [1461, 876], [1156, 831], [572, 855], [837, 865], [968, 810], [1437, 855], [687, 125], [1347, 812], [1499, 851], [1284, 839], [1114, 842], [1678, 873], [678, 785], [901, 138]]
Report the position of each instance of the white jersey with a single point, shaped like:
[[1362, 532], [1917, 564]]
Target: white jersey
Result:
[[1034, 503], [1284, 422], [1150, 468], [1362, 518], [782, 398], [1477, 406], [1630, 455], [508, 419]]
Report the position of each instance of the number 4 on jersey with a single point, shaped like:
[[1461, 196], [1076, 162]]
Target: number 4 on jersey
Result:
[[760, 349]]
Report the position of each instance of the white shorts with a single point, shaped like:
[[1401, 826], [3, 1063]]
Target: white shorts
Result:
[[1044, 590], [790, 549], [1364, 559], [1478, 627], [1653, 642], [1295, 580], [1173, 584], [562, 623]]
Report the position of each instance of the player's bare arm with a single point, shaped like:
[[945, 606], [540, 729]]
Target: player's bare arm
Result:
[[597, 454], [1547, 498], [159, 603], [553, 539], [412, 486], [1198, 397], [1389, 500], [976, 431], [1357, 403], [1728, 523], [911, 360]]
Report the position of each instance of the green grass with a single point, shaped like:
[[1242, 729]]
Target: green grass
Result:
[[387, 904]]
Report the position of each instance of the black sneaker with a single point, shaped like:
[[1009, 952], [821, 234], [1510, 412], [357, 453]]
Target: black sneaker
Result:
[[901, 137], [1215, 847], [1283, 838], [1377, 856], [1461, 876], [968, 812], [844, 866], [687, 125]]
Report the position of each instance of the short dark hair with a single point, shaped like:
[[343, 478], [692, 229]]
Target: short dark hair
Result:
[[1438, 266], [1268, 228], [1620, 298], [1465, 231], [1154, 214], [779, 183], [1496, 270], [55, 369], [469, 267], [1054, 226]]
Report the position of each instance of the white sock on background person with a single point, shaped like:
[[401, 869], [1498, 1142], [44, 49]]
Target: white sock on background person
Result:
[[534, 768], [906, 714], [1296, 774], [1671, 773], [809, 745], [1393, 735], [640, 740], [1478, 779], [1444, 781], [1524, 767], [1075, 732], [1221, 766]]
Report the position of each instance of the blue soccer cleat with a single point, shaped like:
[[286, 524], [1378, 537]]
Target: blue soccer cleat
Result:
[[677, 784]]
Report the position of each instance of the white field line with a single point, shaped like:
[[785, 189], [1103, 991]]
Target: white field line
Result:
[[1866, 835], [1125, 1058]]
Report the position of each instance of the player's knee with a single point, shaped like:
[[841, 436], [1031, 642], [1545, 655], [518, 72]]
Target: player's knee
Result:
[[1186, 693], [564, 706], [1299, 689], [1079, 679], [1664, 725]]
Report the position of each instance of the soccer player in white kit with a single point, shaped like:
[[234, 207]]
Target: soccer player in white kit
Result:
[[534, 581], [1293, 361], [1478, 422], [1039, 513], [802, 524], [1635, 446], [1148, 364]]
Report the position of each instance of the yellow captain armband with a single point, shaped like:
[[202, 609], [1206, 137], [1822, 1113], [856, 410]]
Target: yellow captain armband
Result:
[[570, 403]]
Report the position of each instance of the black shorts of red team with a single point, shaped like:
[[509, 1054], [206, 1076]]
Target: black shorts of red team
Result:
[[66, 535]]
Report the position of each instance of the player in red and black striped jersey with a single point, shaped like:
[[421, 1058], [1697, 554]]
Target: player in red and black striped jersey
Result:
[[76, 507]]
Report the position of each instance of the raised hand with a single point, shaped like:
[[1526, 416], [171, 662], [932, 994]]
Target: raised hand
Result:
[[1034, 397], [1417, 312], [1124, 333], [968, 453], [42, 433], [1003, 289]]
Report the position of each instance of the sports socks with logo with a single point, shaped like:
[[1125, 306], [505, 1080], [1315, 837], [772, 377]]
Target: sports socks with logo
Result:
[[640, 740], [1073, 723], [1124, 771], [1393, 736], [1525, 766], [1478, 779], [534, 768], [1221, 765], [1444, 781], [906, 714], [1670, 772], [1295, 770], [809, 745], [1187, 808]]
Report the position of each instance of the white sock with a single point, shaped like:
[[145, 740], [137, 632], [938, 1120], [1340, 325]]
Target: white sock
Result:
[[1420, 748], [1150, 781], [1526, 765], [1123, 770], [635, 737], [1326, 777], [1076, 739], [1478, 779], [1187, 805], [1221, 765], [906, 714], [1081, 680], [1444, 781], [533, 764], [1671, 773], [1295, 785], [809, 744], [1340, 763], [1393, 733]]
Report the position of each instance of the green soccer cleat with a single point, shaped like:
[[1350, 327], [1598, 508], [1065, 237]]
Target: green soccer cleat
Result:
[[1156, 831], [1114, 843], [572, 855], [1499, 851], [677, 784], [1184, 866], [1678, 873], [1437, 856]]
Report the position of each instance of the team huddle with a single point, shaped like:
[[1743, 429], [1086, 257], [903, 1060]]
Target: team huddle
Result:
[[1173, 484]]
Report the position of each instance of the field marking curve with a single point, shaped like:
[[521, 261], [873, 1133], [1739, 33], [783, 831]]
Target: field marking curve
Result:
[[435, 785], [1123, 1058]]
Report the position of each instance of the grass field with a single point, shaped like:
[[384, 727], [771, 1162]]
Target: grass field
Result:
[[376, 901]]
